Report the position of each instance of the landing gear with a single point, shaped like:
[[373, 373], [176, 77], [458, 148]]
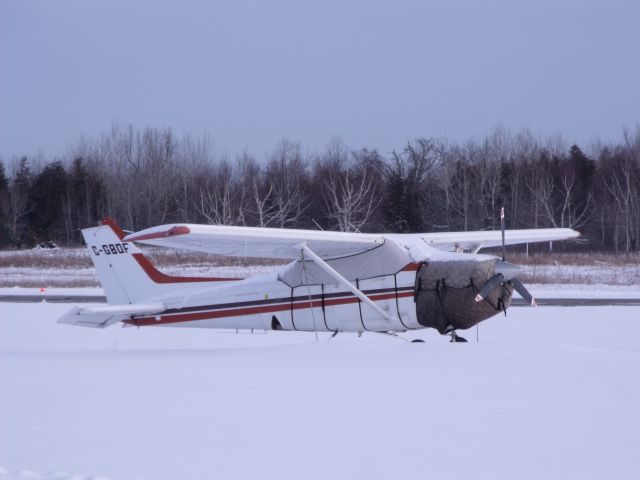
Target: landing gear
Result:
[[456, 338], [417, 340], [275, 323], [450, 330]]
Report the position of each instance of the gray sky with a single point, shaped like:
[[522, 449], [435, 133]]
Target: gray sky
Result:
[[372, 73]]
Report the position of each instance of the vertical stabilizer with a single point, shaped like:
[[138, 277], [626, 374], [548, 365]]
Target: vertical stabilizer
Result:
[[111, 266], [125, 273]]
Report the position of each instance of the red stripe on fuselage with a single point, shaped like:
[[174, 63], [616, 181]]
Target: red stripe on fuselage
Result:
[[238, 312], [411, 267]]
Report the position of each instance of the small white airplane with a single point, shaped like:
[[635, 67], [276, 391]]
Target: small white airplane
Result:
[[335, 282]]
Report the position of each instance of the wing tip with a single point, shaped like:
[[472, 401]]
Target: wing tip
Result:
[[172, 232]]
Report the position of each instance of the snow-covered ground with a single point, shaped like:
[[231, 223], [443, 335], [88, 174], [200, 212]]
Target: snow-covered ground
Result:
[[52, 291], [595, 273], [71, 267], [38, 277], [544, 281], [546, 393]]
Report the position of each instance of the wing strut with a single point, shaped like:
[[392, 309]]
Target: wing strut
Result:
[[358, 293]]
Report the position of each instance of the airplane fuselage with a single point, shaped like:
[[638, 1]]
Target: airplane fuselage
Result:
[[265, 303]]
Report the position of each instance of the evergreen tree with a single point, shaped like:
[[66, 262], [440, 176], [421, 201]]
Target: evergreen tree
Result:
[[85, 192], [407, 181], [5, 233], [48, 196], [20, 205]]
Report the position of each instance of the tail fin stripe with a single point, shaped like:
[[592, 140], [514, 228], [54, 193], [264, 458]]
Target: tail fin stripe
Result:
[[153, 273], [115, 227], [159, 277]]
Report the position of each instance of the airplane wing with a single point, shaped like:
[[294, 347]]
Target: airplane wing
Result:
[[279, 243], [256, 242], [452, 241]]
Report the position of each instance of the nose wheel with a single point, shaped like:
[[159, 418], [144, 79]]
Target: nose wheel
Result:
[[451, 331], [456, 338]]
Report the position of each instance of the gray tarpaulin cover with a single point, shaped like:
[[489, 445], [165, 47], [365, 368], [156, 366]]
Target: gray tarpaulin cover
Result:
[[445, 295]]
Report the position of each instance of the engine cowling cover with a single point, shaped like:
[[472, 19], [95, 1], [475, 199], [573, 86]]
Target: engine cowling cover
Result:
[[445, 294]]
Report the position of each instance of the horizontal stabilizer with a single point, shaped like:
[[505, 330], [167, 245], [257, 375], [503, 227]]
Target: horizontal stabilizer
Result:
[[105, 315], [129, 309]]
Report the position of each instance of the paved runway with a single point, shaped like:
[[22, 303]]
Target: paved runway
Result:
[[517, 302], [53, 298], [578, 302]]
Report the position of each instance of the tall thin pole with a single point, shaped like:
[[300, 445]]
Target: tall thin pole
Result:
[[502, 228]]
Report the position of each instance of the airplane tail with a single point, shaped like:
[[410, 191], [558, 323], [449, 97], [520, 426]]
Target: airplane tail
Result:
[[125, 273]]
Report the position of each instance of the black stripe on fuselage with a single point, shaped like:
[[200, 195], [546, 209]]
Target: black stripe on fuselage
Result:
[[272, 301]]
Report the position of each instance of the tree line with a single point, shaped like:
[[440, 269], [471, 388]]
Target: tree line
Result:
[[150, 176]]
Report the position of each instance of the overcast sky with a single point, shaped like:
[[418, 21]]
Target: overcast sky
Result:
[[372, 73]]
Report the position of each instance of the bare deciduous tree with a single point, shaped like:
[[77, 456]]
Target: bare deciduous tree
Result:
[[286, 180], [145, 177], [350, 200], [223, 201]]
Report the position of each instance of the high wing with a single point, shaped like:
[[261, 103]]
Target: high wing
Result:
[[476, 240], [282, 243], [256, 242]]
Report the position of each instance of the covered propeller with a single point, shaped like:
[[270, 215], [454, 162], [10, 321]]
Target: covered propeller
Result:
[[505, 272]]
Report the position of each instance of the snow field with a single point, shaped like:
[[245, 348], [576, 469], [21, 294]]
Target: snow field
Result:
[[597, 273], [86, 277], [547, 393]]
